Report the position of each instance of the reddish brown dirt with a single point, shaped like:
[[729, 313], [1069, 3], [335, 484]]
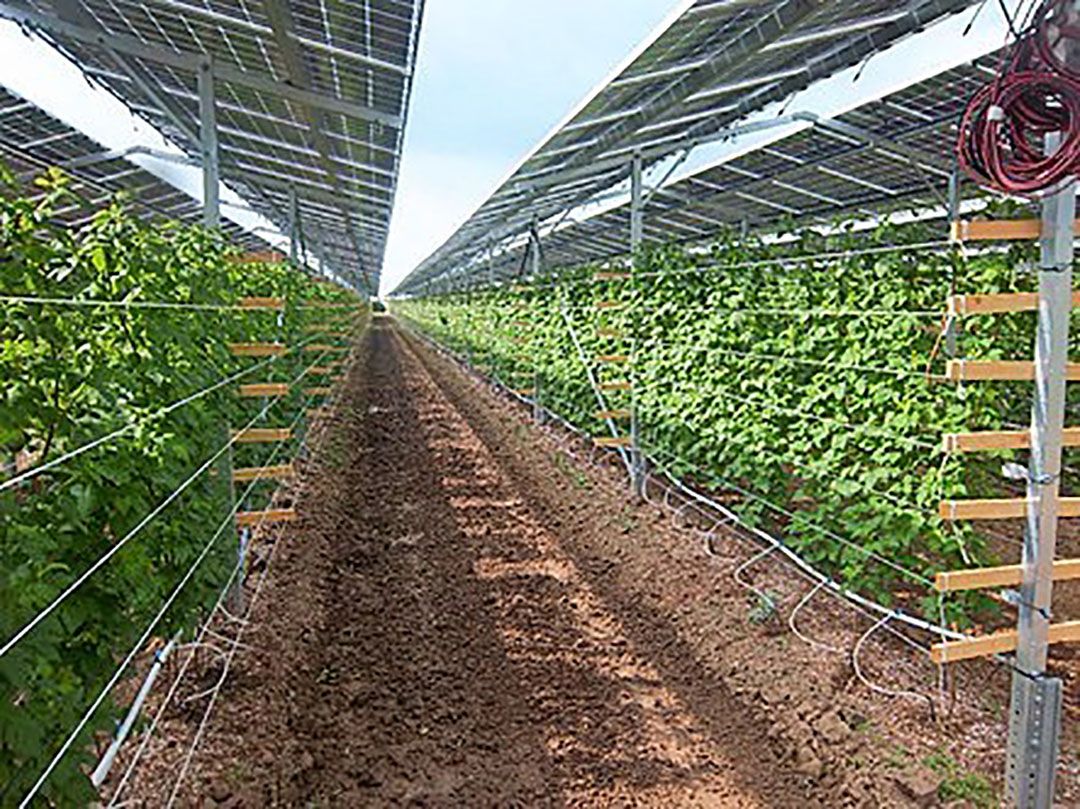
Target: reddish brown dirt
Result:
[[465, 618]]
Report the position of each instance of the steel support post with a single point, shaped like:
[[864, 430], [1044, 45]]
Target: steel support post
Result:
[[536, 266], [208, 143], [637, 235], [1035, 713], [294, 225], [952, 326]]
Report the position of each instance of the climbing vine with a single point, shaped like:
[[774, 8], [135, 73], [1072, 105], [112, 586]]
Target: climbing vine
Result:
[[804, 380], [73, 373]]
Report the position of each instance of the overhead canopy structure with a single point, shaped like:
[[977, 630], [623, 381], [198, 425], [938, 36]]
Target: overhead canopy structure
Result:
[[299, 104], [882, 157], [717, 63], [32, 141]]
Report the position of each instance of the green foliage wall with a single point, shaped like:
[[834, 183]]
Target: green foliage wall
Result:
[[808, 389], [73, 373]]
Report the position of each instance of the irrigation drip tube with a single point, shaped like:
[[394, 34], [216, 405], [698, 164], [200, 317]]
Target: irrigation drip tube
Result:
[[777, 545]]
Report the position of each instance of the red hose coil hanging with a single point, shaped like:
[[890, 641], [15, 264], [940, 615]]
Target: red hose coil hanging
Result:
[[1003, 131]]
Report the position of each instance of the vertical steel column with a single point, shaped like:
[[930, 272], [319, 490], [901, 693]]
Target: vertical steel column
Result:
[[209, 146], [637, 235], [294, 225], [1035, 712], [536, 267], [952, 326]]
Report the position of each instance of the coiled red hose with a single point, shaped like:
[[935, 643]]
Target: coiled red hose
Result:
[[1002, 140]]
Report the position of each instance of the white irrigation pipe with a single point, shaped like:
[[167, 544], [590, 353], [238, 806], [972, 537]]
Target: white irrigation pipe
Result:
[[101, 771]]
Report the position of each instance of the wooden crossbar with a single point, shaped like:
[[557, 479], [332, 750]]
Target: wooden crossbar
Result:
[[316, 412], [264, 389], [262, 303], [998, 303], [279, 472], [614, 334], [1003, 509], [274, 515], [609, 386], [983, 230], [318, 391], [999, 370], [614, 443], [613, 358], [526, 392], [1005, 576], [607, 415], [608, 305], [612, 276], [261, 257], [262, 435], [320, 369], [1010, 439], [998, 643], [322, 349], [257, 349]]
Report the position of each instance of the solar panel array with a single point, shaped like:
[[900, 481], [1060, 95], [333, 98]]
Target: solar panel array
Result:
[[32, 142], [720, 61], [311, 99]]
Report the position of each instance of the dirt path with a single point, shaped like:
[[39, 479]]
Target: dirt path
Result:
[[428, 636]]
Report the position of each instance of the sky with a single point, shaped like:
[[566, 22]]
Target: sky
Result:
[[493, 77]]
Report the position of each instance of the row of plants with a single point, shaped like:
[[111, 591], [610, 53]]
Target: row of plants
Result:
[[810, 391], [74, 371]]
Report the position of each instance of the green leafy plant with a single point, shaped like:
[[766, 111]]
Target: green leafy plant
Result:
[[73, 373], [802, 380]]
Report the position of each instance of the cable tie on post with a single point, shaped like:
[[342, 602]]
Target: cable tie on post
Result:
[[1056, 268], [995, 113]]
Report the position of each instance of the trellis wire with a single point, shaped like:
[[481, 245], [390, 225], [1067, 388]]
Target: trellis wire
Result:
[[137, 646], [236, 643], [146, 520], [132, 425]]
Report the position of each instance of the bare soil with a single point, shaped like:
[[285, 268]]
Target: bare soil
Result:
[[471, 614]]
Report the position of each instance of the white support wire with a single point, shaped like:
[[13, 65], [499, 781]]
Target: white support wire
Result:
[[132, 653], [138, 645], [199, 642], [216, 691], [780, 358], [98, 303], [118, 545], [139, 422]]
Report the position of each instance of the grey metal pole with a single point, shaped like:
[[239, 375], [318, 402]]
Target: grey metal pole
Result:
[[209, 146], [1035, 714], [953, 325], [637, 235], [294, 216]]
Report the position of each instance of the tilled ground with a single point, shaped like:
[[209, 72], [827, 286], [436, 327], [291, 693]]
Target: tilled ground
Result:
[[463, 618]]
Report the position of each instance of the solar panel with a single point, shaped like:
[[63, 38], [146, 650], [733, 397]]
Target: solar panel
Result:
[[311, 98], [717, 63]]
